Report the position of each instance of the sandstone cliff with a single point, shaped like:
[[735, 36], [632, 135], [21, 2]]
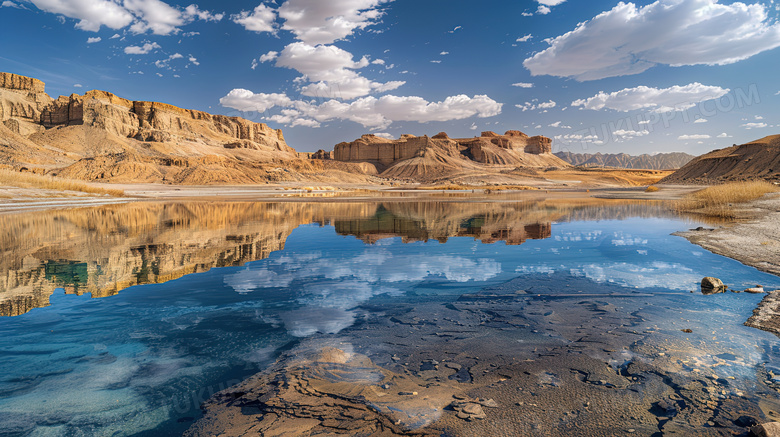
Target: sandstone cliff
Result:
[[660, 161], [99, 136], [440, 157], [758, 159]]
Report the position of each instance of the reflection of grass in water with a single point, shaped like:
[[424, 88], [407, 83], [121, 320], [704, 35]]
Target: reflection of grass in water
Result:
[[31, 180], [722, 200]]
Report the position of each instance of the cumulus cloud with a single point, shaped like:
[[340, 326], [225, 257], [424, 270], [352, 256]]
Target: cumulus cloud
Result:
[[142, 50], [754, 125], [323, 22], [550, 2], [245, 100], [261, 19], [629, 39], [331, 69], [701, 120], [371, 112], [91, 13], [141, 15], [559, 124], [694, 137], [675, 98], [543, 10], [723, 135], [524, 38], [523, 85], [93, 40]]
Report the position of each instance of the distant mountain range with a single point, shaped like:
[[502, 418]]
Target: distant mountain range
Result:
[[661, 161]]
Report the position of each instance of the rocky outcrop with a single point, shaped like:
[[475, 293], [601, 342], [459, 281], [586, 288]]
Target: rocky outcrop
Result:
[[17, 82], [758, 159], [420, 158], [660, 161]]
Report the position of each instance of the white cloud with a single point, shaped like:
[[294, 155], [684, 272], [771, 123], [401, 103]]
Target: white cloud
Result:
[[323, 22], [10, 4], [457, 28], [115, 36], [372, 112], [523, 85], [435, 62], [261, 19], [550, 2], [527, 14], [676, 98], [533, 105], [758, 117], [192, 11], [524, 38], [378, 61], [622, 134], [245, 100], [444, 53], [320, 63], [141, 50], [332, 70], [723, 135], [701, 120], [91, 13], [348, 88], [193, 60], [93, 40], [754, 125], [77, 85], [694, 137], [270, 56], [543, 10], [140, 15], [629, 40], [166, 63], [559, 125]]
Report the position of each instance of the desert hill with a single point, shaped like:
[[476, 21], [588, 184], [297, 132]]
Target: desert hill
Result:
[[660, 161], [99, 136], [758, 159]]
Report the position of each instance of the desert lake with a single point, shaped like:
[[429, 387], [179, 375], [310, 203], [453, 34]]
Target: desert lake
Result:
[[549, 316]]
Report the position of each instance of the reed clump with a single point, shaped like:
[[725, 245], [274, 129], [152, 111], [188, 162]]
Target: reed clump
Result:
[[724, 200], [31, 180]]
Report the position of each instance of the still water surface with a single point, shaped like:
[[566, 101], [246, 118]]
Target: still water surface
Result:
[[196, 297]]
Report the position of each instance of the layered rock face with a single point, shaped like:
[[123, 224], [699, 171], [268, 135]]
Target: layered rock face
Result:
[[101, 136], [429, 158]]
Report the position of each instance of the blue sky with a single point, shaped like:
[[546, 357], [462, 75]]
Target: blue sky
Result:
[[597, 76]]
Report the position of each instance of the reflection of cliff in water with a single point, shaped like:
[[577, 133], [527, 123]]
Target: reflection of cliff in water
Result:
[[439, 221], [104, 250]]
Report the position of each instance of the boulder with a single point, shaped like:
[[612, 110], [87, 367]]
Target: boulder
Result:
[[710, 285], [769, 429]]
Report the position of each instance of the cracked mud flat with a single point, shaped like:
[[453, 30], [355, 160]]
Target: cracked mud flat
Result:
[[538, 355]]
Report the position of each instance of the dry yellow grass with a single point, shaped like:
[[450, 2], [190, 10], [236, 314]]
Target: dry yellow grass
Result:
[[31, 180], [722, 200]]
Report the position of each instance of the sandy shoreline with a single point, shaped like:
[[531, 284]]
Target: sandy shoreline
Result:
[[754, 242]]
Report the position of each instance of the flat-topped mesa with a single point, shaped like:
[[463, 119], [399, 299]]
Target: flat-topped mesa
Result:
[[378, 150]]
